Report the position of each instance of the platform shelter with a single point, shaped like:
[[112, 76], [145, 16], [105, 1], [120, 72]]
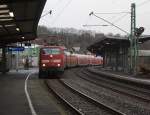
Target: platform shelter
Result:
[[115, 51], [18, 22]]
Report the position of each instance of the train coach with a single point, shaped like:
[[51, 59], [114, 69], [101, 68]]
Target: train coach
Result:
[[54, 59]]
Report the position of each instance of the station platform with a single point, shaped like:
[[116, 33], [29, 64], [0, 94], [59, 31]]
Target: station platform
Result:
[[143, 79], [13, 99], [140, 76]]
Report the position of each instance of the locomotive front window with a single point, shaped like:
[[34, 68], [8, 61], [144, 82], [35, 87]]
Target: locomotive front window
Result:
[[48, 51]]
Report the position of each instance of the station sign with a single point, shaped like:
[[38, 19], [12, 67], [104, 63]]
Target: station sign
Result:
[[16, 48]]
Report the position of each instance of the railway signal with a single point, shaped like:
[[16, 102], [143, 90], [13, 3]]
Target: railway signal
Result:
[[139, 31]]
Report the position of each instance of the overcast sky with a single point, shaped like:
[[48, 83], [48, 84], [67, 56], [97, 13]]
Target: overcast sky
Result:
[[75, 14]]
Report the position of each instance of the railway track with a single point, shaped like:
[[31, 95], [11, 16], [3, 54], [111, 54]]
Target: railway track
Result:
[[78, 101], [115, 86], [64, 101]]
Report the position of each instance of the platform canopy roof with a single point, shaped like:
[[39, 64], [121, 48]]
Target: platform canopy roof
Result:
[[19, 19], [113, 42], [144, 38]]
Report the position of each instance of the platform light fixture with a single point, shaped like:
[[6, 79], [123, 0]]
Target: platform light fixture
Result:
[[22, 37], [8, 19], [4, 16], [107, 43], [18, 29], [4, 11], [10, 25], [11, 14], [3, 6]]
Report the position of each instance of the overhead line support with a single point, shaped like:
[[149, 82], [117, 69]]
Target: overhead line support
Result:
[[92, 13], [133, 43]]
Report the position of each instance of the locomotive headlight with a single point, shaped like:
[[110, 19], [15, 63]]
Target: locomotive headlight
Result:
[[58, 65], [51, 56], [43, 65]]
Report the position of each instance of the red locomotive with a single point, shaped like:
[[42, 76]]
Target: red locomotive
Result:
[[54, 59], [51, 59]]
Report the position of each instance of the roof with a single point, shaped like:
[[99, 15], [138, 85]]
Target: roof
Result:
[[61, 47], [144, 38], [19, 20], [144, 53], [113, 42], [108, 41]]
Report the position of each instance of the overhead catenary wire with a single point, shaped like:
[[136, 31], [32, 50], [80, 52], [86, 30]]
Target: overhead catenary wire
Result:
[[126, 13], [92, 13], [56, 4], [115, 21], [120, 18], [143, 3], [68, 3], [114, 13], [86, 25]]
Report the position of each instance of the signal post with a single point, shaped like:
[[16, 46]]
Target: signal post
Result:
[[134, 42]]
